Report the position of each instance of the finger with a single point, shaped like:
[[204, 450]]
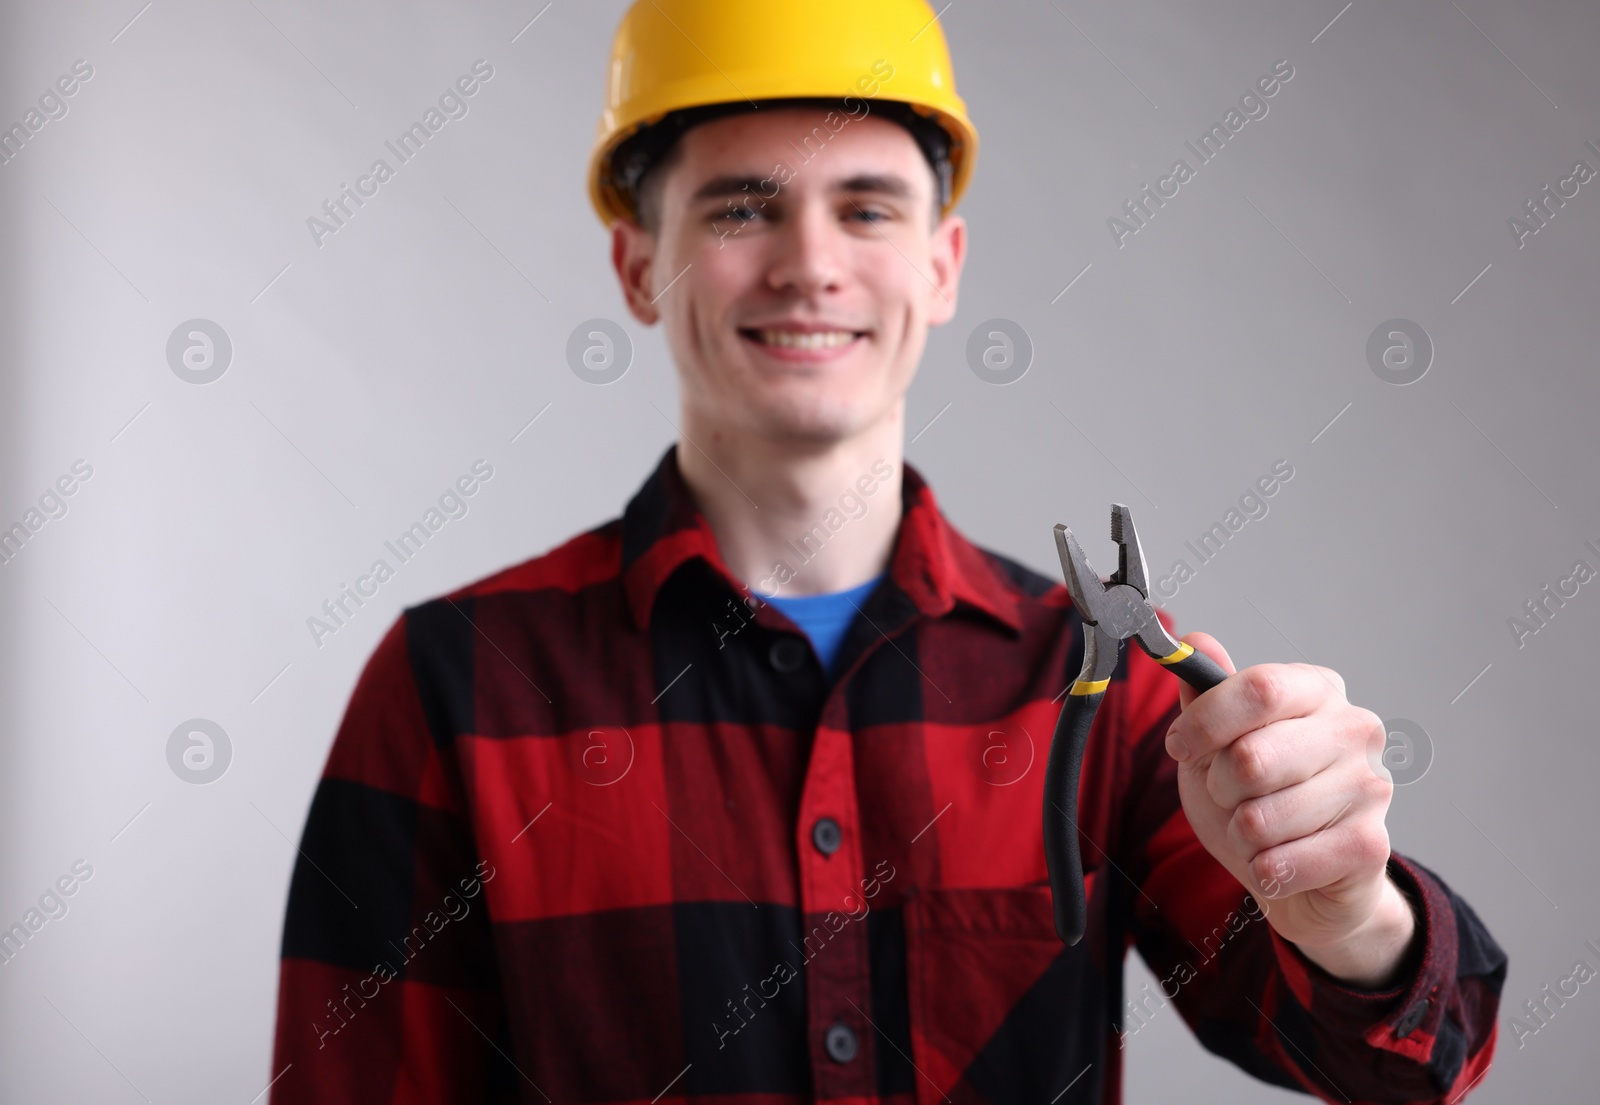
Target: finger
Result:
[[1206, 643], [1272, 758], [1352, 846], [1256, 696], [1344, 791]]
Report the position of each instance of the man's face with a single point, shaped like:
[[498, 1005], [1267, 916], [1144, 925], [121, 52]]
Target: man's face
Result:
[[799, 311]]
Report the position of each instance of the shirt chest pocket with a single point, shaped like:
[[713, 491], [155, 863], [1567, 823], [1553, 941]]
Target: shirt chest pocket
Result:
[[997, 1001]]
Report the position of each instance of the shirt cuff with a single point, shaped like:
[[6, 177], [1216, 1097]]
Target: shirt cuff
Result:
[[1403, 1018]]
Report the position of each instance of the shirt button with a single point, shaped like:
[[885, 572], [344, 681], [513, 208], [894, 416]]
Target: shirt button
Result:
[[1412, 1018], [788, 654], [840, 1041], [826, 836]]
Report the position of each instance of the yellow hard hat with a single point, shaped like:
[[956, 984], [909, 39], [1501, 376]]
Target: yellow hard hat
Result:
[[671, 55]]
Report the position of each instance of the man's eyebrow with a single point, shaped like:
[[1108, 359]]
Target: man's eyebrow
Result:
[[731, 184], [886, 184], [734, 184]]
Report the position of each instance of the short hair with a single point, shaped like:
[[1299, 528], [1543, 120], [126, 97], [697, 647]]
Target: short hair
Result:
[[639, 162]]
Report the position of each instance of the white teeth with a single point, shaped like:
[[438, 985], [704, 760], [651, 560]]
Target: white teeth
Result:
[[827, 339]]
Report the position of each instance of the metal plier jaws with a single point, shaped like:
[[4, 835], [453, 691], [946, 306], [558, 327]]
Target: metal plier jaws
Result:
[[1112, 611]]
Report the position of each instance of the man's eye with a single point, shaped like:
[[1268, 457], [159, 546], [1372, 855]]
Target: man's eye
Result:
[[869, 215], [738, 214]]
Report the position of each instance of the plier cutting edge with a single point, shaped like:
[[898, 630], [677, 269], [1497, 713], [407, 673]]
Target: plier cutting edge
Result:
[[1112, 612]]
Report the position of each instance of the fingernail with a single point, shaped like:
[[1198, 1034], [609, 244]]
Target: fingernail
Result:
[[1176, 748]]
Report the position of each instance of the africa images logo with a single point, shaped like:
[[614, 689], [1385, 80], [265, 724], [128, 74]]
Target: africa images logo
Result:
[[452, 907], [452, 104], [1252, 105]]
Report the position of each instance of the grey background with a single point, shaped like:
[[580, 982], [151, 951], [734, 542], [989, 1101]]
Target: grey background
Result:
[[369, 373]]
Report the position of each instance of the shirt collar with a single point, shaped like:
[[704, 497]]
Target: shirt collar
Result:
[[932, 562]]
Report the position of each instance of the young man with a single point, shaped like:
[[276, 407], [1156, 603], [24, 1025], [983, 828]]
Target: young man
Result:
[[739, 793]]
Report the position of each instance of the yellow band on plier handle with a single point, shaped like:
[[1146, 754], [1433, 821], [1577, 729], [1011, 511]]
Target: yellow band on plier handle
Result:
[[1183, 653]]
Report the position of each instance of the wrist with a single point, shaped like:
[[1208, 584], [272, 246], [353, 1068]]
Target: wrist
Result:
[[1371, 956]]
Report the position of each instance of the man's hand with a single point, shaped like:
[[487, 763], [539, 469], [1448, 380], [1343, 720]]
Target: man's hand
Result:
[[1283, 782]]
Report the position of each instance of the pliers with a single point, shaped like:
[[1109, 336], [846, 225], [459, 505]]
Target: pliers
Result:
[[1112, 612]]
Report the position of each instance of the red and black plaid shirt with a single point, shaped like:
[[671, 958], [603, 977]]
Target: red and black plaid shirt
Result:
[[598, 828]]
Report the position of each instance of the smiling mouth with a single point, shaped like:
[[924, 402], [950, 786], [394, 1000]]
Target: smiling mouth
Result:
[[795, 339]]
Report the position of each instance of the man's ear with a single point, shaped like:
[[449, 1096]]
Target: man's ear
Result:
[[633, 251], [947, 252]]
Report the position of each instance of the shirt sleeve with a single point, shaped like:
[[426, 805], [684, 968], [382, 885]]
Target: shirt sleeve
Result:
[[1252, 997], [387, 982]]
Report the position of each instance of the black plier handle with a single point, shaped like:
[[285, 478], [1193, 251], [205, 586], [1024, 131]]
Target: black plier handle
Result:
[[1112, 611]]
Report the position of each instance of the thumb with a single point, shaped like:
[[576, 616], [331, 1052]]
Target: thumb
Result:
[[1206, 643]]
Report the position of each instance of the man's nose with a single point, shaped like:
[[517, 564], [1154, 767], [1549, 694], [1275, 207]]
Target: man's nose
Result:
[[809, 252]]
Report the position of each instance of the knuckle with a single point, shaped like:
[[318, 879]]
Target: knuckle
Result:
[[1369, 724], [1264, 685], [1252, 761], [1269, 876], [1253, 824], [1373, 847]]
